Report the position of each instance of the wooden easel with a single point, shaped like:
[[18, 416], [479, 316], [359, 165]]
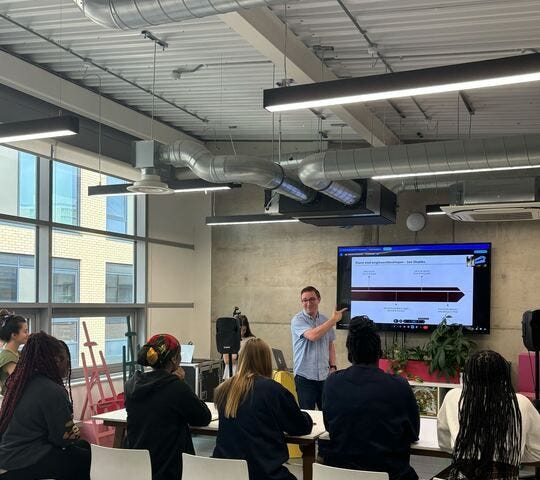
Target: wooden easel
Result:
[[92, 380]]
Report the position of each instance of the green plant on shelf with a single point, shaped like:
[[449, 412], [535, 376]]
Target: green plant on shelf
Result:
[[448, 349]]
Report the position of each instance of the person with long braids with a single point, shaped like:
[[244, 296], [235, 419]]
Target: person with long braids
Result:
[[160, 408], [489, 428], [254, 414], [38, 437], [372, 417], [14, 333]]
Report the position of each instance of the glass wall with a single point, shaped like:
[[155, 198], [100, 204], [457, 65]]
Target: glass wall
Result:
[[74, 270]]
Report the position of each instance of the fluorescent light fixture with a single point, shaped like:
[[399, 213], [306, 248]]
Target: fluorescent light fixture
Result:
[[177, 186], [41, 128], [449, 78], [249, 219], [453, 172], [434, 210], [202, 189]]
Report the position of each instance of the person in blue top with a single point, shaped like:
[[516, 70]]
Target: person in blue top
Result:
[[314, 352], [372, 416]]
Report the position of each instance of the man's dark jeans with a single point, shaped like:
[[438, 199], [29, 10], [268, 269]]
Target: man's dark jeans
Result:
[[309, 392]]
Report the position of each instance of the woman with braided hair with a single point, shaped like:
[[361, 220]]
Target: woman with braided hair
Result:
[[38, 437], [489, 427], [160, 408]]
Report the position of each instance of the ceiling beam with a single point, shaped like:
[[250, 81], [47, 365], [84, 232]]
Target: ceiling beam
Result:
[[38, 82], [266, 33]]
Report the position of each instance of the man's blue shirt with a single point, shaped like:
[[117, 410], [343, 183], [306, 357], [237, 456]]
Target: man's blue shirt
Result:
[[310, 358]]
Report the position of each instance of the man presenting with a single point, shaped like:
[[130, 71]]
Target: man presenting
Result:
[[313, 348]]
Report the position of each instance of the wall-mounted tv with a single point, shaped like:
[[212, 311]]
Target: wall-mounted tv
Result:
[[411, 288]]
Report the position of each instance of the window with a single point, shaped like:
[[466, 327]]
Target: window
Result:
[[67, 330], [66, 191], [18, 171], [65, 280], [119, 283], [117, 209], [109, 333], [115, 338], [17, 278], [27, 185]]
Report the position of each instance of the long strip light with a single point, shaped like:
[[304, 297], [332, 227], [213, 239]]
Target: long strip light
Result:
[[434, 210], [453, 172], [427, 81], [40, 128], [249, 219], [177, 186]]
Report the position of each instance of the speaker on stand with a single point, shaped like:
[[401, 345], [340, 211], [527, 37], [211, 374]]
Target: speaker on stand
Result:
[[228, 338], [530, 325]]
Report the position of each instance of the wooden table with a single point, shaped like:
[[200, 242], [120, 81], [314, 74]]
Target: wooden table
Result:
[[118, 419]]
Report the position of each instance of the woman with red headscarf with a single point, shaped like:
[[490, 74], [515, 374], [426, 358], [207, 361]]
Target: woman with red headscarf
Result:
[[161, 406]]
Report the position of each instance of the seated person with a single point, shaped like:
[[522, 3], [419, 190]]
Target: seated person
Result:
[[254, 414], [245, 333], [160, 408], [489, 427], [39, 438], [372, 417], [14, 333]]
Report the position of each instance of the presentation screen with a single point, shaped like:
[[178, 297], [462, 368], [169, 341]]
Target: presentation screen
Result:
[[413, 287]]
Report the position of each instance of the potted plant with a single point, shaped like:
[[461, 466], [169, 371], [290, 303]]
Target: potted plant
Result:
[[448, 349]]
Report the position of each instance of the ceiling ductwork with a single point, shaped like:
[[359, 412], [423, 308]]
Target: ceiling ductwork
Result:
[[135, 14], [458, 156], [232, 169]]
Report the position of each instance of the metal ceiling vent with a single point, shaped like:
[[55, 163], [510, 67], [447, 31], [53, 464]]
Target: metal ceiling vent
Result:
[[150, 183], [134, 14]]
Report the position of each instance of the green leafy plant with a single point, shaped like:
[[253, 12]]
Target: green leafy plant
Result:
[[418, 353], [448, 349]]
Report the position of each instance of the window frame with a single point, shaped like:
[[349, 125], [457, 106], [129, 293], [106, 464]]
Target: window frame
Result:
[[44, 309]]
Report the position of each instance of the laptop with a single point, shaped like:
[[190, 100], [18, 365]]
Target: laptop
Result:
[[187, 352], [280, 360]]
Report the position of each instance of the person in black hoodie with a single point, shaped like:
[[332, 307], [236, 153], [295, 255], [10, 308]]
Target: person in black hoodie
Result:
[[160, 408], [254, 414], [372, 417]]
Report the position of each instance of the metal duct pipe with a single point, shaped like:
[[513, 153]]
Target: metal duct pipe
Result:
[[232, 169], [347, 191], [134, 14], [447, 156]]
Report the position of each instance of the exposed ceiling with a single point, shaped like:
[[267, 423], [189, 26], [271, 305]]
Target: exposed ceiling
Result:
[[227, 90]]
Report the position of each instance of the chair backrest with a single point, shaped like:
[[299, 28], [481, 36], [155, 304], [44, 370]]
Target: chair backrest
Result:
[[324, 472], [204, 468], [108, 463]]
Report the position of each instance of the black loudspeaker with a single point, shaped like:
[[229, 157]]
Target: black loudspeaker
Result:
[[531, 330], [228, 335]]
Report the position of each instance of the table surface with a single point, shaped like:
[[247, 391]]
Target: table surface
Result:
[[120, 416], [428, 427]]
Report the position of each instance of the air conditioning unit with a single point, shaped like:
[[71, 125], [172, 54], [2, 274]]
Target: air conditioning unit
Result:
[[504, 212], [500, 200]]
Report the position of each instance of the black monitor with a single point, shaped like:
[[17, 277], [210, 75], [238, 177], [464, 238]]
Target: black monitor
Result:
[[412, 288]]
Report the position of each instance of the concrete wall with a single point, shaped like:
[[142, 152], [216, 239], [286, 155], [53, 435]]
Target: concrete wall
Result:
[[180, 277], [261, 268]]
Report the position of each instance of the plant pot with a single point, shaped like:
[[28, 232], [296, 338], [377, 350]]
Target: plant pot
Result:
[[418, 369]]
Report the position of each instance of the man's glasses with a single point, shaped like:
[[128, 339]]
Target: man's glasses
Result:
[[310, 299]]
